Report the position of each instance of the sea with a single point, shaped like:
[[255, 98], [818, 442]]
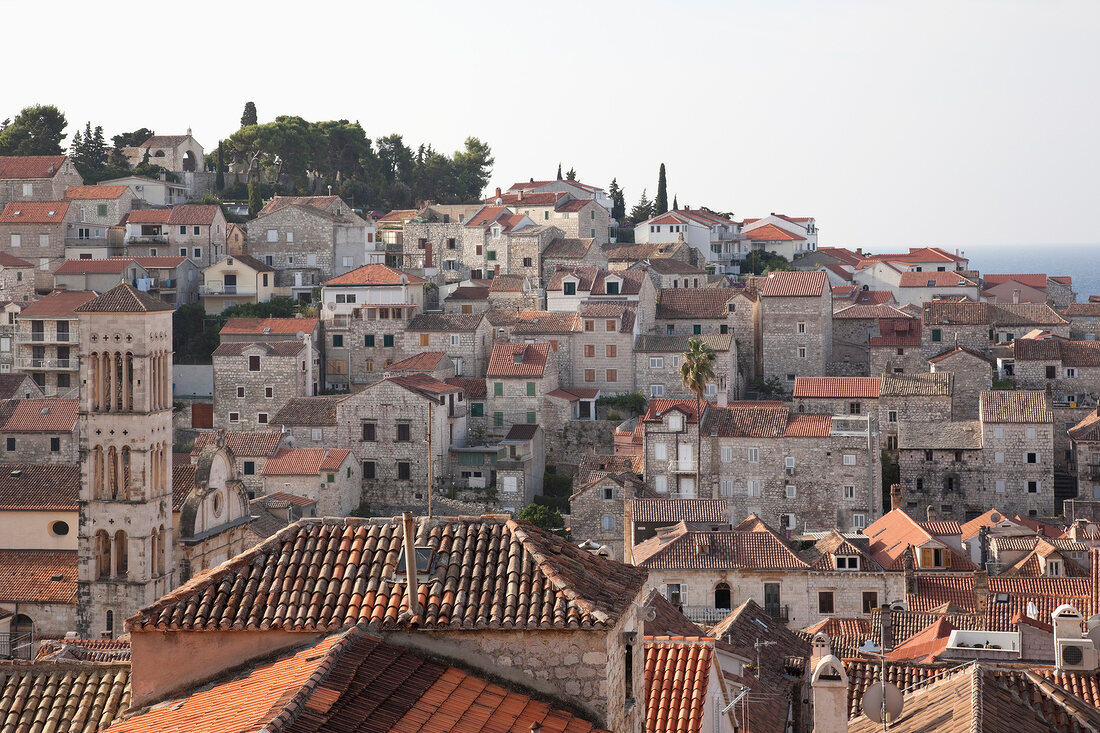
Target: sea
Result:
[[1079, 261]]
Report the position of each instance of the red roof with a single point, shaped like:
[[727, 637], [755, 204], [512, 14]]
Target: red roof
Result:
[[919, 254], [305, 461], [39, 487], [160, 262], [935, 279], [242, 444], [30, 166], [425, 361], [95, 192], [7, 260], [104, 266], [794, 284], [677, 676], [420, 382], [772, 233], [1033, 280], [518, 360], [543, 198], [375, 275], [896, 533], [924, 646], [45, 415], [58, 304], [194, 214], [487, 216], [32, 576], [34, 212], [658, 407], [678, 548], [149, 216], [854, 387], [808, 426], [264, 326]]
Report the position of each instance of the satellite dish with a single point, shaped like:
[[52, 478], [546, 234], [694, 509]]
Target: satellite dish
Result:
[[872, 702], [995, 517], [1032, 611]]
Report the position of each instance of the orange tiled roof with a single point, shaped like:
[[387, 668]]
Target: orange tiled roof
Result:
[[39, 487], [305, 461], [375, 275], [63, 696], [1016, 406], [896, 533], [108, 265], [677, 676], [772, 233], [794, 284], [425, 361], [241, 444], [84, 650], [149, 216], [30, 166], [34, 212], [474, 565], [58, 304], [1032, 280], [487, 215], [935, 280], [846, 387], [7, 260], [95, 192], [194, 214], [45, 415], [423, 384], [33, 576], [678, 510], [124, 298], [518, 360], [531, 323], [264, 326], [474, 387], [659, 406], [316, 411], [677, 547], [678, 303], [160, 262]]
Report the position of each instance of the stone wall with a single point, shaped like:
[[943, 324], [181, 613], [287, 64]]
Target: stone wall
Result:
[[335, 498], [603, 358], [311, 253], [946, 482], [972, 376], [666, 373], [16, 283], [471, 350], [797, 337], [896, 360], [38, 447], [265, 392], [851, 337], [1084, 387], [936, 339]]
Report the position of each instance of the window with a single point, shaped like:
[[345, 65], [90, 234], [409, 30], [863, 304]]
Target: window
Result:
[[847, 562], [676, 422], [1033, 487], [590, 326], [611, 287], [859, 521], [656, 362], [589, 351], [727, 454], [55, 445], [568, 288], [801, 352], [790, 377], [261, 418], [788, 521], [368, 469], [608, 522], [404, 470], [491, 255], [791, 492], [387, 340], [455, 339], [660, 483], [870, 601], [28, 189], [269, 392], [928, 456], [498, 419], [660, 451], [404, 432], [696, 328], [854, 408], [369, 432], [1071, 372], [498, 389], [10, 444], [849, 459], [368, 340], [234, 417], [240, 391], [197, 253], [998, 432], [424, 339], [1000, 486], [15, 240], [610, 351], [530, 389], [1030, 433], [849, 492], [801, 328], [590, 375], [62, 380], [1031, 457], [316, 433], [253, 363], [612, 375], [754, 455], [752, 487], [183, 230], [531, 418], [892, 416], [477, 409], [249, 468], [674, 593], [937, 335], [788, 462], [656, 390], [999, 457], [934, 557], [337, 340]]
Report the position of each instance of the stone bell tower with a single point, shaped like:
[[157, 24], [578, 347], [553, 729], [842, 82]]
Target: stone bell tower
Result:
[[125, 537]]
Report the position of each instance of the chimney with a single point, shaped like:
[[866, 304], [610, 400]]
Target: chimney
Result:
[[411, 584], [907, 572], [886, 620], [1094, 576], [830, 696], [1015, 297], [981, 592], [498, 192], [820, 648], [859, 251], [628, 531], [519, 195], [983, 544], [931, 514], [897, 496]]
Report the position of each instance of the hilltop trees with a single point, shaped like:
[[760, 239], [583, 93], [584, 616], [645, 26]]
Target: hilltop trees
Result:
[[36, 130], [249, 115]]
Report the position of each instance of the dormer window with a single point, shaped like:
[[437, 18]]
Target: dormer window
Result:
[[569, 287], [496, 232], [934, 558], [1054, 567], [676, 422], [612, 287], [847, 562]]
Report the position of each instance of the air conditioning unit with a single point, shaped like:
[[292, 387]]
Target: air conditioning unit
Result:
[[1075, 654]]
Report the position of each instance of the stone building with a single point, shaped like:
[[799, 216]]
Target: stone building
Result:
[[328, 476], [1069, 369], [46, 341], [568, 289], [897, 349], [36, 177], [99, 275], [311, 239], [837, 395], [434, 364], [622, 256], [364, 313], [467, 299], [16, 279], [941, 466], [174, 279], [669, 273], [597, 510], [657, 366], [922, 397], [574, 216], [197, 231], [603, 350], [1084, 320], [253, 380], [977, 326], [1054, 290], [401, 431], [433, 239], [525, 247], [513, 292], [556, 329], [567, 252], [176, 153], [801, 471], [126, 533], [796, 323], [101, 205], [249, 452], [518, 378], [309, 422], [465, 339], [854, 327], [1086, 449], [39, 431], [37, 231], [691, 311], [486, 240], [972, 374]]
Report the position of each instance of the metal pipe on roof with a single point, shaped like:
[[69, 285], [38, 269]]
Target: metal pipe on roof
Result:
[[411, 584]]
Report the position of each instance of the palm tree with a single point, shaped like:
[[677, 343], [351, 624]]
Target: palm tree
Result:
[[696, 372]]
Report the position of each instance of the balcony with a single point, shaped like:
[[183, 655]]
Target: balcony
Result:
[[16, 645], [217, 289], [675, 466], [1093, 470], [705, 614], [41, 337], [777, 611], [46, 364], [148, 239]]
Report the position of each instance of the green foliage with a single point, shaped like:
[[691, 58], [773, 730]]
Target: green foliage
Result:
[[758, 263], [769, 388], [183, 447], [36, 130], [89, 153], [542, 516], [132, 139], [555, 503], [634, 402], [618, 200], [571, 175], [556, 484], [1004, 384], [891, 473], [195, 333], [642, 210], [675, 204], [660, 204], [559, 171], [697, 367], [249, 115], [255, 203]]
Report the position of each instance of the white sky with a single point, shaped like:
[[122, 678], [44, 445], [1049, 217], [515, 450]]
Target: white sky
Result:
[[949, 123]]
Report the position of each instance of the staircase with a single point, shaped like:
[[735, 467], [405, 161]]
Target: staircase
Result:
[[1065, 487]]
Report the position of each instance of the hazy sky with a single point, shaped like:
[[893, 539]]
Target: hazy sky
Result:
[[949, 123]]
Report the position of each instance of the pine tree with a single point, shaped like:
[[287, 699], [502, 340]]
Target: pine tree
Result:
[[618, 200], [571, 175], [249, 116], [675, 204], [559, 171], [97, 149], [642, 210], [76, 149], [660, 204], [255, 202]]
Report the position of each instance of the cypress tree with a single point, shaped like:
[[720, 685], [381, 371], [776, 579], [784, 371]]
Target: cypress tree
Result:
[[255, 202], [249, 116], [675, 205], [660, 204], [559, 171]]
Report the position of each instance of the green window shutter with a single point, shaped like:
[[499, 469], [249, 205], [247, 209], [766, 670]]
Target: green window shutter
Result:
[[697, 329], [101, 210], [546, 214], [368, 340], [937, 335], [331, 478], [498, 389], [530, 418], [387, 340], [530, 389], [492, 255], [477, 409], [498, 419]]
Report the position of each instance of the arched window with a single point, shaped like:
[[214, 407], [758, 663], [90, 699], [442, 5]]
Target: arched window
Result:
[[122, 560], [162, 540], [722, 595], [110, 624], [102, 554], [112, 473], [97, 473], [126, 471], [22, 636]]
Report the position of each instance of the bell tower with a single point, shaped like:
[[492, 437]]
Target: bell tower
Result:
[[125, 421]]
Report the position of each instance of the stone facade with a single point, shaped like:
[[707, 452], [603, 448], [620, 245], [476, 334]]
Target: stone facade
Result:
[[39, 447], [971, 373], [603, 350], [519, 399], [901, 358], [16, 279], [48, 184], [657, 366], [1070, 370], [38, 237], [336, 490], [851, 352], [254, 380], [466, 340], [597, 511], [797, 334]]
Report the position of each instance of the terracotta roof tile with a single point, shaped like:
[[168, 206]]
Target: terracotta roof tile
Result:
[[679, 344], [658, 407], [677, 548], [265, 326], [194, 214], [1069, 353], [794, 284], [923, 384], [772, 233], [1016, 406], [84, 650], [321, 203], [95, 192], [469, 292], [445, 322], [1082, 310], [425, 361], [149, 216], [1088, 429], [935, 280], [474, 388], [681, 303], [423, 384], [33, 576], [518, 360], [12, 385], [45, 415], [241, 444], [568, 587], [567, 248], [286, 349], [30, 166], [63, 697], [876, 312], [124, 298], [680, 510], [677, 677], [749, 420], [108, 265], [896, 533], [39, 487], [316, 411], [531, 323], [1032, 280], [375, 275], [305, 461], [593, 465], [183, 483], [846, 387], [250, 262], [34, 212], [7, 260]]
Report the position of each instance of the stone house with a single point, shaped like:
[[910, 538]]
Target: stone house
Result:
[[563, 253], [37, 231], [972, 374], [9, 312], [99, 275], [299, 328], [802, 471], [145, 232], [467, 299], [853, 328], [249, 451], [18, 386], [1086, 449], [197, 231], [474, 391], [154, 191], [576, 189], [622, 256], [1084, 320], [174, 279], [518, 379], [36, 177], [398, 429], [16, 279], [40, 431], [46, 340], [253, 380], [567, 289], [328, 476], [556, 329], [309, 422], [525, 247], [657, 366], [670, 273], [1069, 369], [647, 515], [597, 510], [391, 228], [575, 216], [434, 364], [176, 153], [716, 237], [432, 239], [1004, 459], [465, 339], [101, 205], [896, 349], [1055, 290], [977, 326], [236, 239], [486, 240], [796, 323], [691, 311], [513, 292], [520, 468], [837, 395], [603, 350], [589, 659], [364, 313], [310, 239], [924, 397]]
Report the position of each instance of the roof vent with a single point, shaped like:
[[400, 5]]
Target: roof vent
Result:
[[17, 213], [51, 213], [57, 577], [16, 473]]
